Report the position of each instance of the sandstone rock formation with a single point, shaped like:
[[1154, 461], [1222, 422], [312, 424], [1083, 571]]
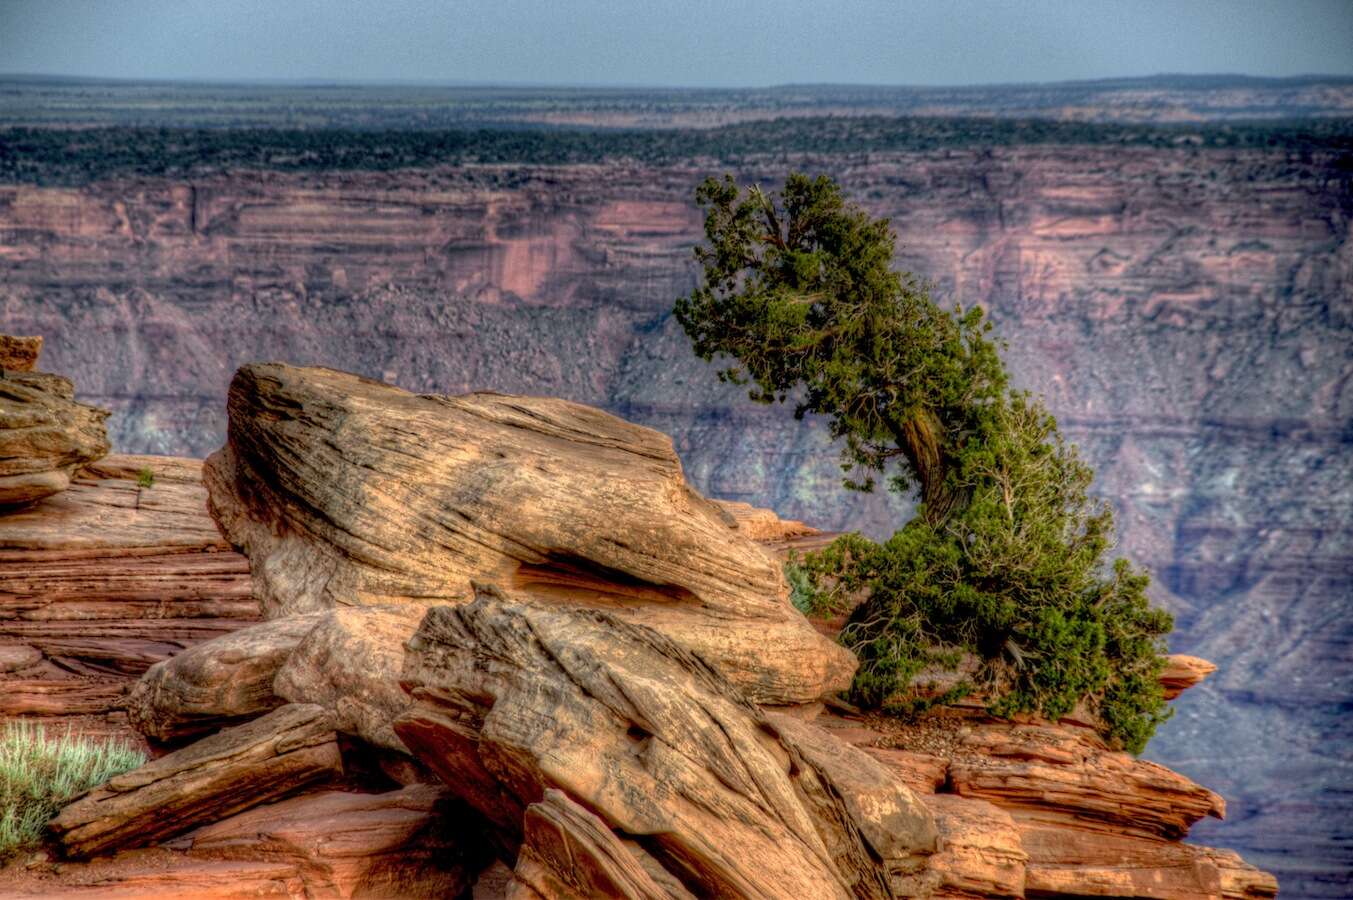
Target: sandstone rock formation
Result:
[[513, 699], [230, 771], [345, 491], [1041, 810], [563, 720], [19, 354], [1185, 310], [104, 580], [404, 843], [350, 662], [329, 843], [216, 683], [45, 436]]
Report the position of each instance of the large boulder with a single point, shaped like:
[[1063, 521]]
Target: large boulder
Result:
[[576, 734], [348, 492], [45, 436], [216, 683]]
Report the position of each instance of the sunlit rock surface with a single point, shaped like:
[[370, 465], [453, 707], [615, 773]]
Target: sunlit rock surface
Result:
[[1187, 313]]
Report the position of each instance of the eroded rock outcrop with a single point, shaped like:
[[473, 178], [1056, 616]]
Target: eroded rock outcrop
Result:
[[104, 580], [593, 753], [45, 436], [350, 662], [217, 683], [513, 699], [409, 842], [344, 491], [405, 843], [19, 354]]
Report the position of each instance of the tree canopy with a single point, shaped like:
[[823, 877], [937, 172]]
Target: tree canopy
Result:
[[1006, 570]]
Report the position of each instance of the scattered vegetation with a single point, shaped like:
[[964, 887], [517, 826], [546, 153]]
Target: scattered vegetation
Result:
[[61, 156], [1008, 559], [145, 478], [39, 774]]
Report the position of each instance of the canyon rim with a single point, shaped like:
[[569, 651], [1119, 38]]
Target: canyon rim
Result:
[[1182, 298]]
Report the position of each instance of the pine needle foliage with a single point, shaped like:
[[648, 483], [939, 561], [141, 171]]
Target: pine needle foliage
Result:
[[40, 773], [1008, 559]]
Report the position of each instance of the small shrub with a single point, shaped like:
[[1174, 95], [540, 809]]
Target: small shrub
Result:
[[801, 592], [40, 774], [145, 478]]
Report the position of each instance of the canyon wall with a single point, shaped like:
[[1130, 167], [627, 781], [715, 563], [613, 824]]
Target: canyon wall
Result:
[[1188, 313]]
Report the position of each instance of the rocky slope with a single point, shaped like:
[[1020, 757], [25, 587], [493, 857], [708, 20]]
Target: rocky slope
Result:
[[1186, 311], [564, 727]]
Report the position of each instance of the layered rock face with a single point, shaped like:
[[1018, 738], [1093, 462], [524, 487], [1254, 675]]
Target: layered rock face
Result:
[[1185, 311], [102, 581], [45, 436], [577, 722]]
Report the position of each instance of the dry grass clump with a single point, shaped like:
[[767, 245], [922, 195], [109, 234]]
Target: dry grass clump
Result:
[[40, 774]]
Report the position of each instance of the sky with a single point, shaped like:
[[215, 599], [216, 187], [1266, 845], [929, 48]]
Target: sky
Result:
[[700, 43]]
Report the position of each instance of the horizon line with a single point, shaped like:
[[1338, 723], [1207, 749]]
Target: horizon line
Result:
[[322, 82]]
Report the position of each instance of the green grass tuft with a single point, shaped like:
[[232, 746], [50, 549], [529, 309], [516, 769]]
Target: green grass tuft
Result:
[[145, 478], [40, 774]]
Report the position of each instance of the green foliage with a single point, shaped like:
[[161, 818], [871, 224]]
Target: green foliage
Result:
[[802, 593], [41, 774], [145, 478], [1007, 563]]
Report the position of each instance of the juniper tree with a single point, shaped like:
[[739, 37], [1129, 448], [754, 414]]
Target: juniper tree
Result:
[[1008, 559]]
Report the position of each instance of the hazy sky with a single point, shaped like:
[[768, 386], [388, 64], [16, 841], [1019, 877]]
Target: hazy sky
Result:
[[709, 42]]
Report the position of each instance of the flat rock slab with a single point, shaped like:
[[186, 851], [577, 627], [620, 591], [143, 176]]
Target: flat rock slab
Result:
[[158, 873], [1052, 770], [404, 843], [233, 770], [348, 492]]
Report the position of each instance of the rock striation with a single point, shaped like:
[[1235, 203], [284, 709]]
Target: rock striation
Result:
[[45, 436], [346, 491], [106, 579], [512, 700], [543, 723], [232, 770], [216, 683]]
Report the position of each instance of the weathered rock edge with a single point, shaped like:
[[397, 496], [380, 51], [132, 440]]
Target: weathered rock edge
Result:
[[348, 492], [264, 760], [217, 683], [514, 700], [45, 436]]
